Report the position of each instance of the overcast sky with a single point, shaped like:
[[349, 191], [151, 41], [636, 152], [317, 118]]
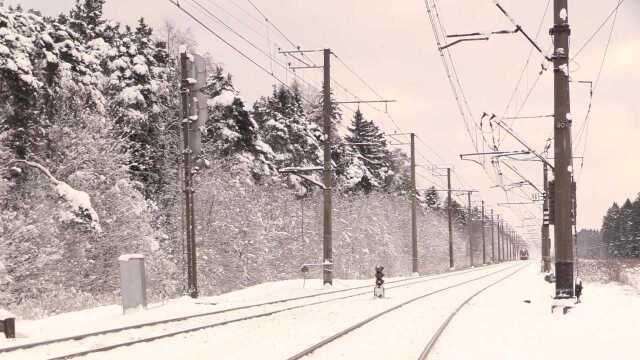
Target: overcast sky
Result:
[[391, 45]]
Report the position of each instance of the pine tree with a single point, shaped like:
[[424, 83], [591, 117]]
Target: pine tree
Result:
[[610, 229], [370, 147], [432, 199], [89, 12], [86, 17]]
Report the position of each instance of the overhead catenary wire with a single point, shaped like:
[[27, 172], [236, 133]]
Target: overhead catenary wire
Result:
[[597, 82], [244, 38], [450, 76], [236, 49], [252, 60], [613, 12]]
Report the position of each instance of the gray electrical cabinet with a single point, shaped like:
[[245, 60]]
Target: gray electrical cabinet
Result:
[[133, 285]]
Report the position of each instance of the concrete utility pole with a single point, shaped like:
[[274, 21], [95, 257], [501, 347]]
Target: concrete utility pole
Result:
[[470, 227], [484, 246], [188, 113], [327, 241], [498, 239], [449, 218], [493, 252], [563, 162], [505, 244], [546, 240], [414, 225]]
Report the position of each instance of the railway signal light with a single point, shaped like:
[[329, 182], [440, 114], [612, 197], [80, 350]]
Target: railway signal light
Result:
[[378, 291]]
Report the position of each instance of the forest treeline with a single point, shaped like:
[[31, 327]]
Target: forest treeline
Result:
[[89, 170]]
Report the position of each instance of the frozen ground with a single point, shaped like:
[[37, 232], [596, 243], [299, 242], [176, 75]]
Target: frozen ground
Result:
[[501, 325], [498, 324]]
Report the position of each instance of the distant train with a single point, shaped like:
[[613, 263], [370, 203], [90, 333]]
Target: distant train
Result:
[[524, 254]]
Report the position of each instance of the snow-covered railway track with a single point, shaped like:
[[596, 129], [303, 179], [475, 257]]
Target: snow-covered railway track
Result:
[[436, 336], [311, 349], [122, 331]]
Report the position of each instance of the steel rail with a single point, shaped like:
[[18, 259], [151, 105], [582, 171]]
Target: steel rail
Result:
[[421, 279], [221, 311], [350, 329], [434, 339]]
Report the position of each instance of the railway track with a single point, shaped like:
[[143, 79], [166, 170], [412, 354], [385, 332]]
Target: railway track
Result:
[[427, 350], [396, 284], [436, 336]]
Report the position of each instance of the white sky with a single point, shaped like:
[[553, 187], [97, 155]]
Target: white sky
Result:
[[391, 45]]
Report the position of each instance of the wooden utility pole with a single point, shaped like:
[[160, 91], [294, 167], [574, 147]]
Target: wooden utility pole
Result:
[[188, 115], [414, 225], [484, 246], [563, 162], [327, 241], [451, 264], [470, 228], [545, 239], [493, 252]]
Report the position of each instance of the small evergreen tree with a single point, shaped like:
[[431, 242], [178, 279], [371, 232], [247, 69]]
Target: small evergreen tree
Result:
[[432, 199]]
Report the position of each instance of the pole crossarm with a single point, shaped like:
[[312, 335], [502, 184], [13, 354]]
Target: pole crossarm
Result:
[[522, 142], [496, 154], [485, 38], [522, 177], [304, 67], [299, 51], [498, 32], [521, 30], [364, 101]]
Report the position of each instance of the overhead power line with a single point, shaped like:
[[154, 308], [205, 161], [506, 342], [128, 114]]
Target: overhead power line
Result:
[[613, 12]]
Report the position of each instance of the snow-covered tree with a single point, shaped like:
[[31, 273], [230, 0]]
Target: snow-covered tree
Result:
[[371, 147]]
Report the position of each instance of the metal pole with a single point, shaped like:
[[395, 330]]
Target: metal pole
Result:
[[493, 252], [505, 240], [484, 246], [414, 225], [327, 277], [451, 264], [498, 239], [186, 93], [546, 240], [470, 229], [563, 163]]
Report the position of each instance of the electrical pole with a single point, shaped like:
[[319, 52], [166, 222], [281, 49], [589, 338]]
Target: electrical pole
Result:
[[505, 244], [188, 112], [498, 240], [470, 248], [546, 241], [451, 264], [414, 225], [484, 246], [563, 162], [493, 252], [327, 241]]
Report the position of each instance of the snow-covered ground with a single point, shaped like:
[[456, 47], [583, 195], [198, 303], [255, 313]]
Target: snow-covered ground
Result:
[[498, 324], [501, 325]]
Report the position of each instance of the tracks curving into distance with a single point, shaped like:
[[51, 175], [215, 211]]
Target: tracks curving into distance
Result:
[[399, 283], [308, 351], [434, 339]]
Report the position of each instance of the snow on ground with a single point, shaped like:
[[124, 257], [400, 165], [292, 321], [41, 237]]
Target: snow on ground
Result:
[[501, 325], [296, 328], [111, 316], [498, 324]]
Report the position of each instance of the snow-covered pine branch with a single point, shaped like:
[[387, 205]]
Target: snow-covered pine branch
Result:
[[79, 201]]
